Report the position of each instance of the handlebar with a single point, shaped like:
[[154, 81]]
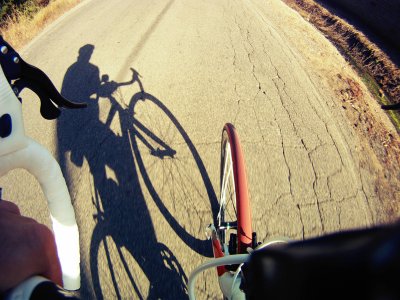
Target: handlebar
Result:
[[39, 288], [38, 161], [212, 263], [19, 151]]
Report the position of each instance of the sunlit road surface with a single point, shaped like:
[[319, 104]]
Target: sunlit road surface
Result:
[[142, 161]]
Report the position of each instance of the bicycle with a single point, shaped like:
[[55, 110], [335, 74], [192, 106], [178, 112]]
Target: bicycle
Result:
[[232, 237]]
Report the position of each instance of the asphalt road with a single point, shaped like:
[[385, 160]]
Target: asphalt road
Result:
[[142, 161]]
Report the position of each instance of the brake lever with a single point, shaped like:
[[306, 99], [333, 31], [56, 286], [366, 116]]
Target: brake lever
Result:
[[23, 75], [47, 109]]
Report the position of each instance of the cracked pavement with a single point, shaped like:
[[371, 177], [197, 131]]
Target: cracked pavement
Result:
[[256, 64]]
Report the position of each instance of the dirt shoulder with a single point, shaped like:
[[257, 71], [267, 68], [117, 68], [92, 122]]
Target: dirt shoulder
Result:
[[380, 143]]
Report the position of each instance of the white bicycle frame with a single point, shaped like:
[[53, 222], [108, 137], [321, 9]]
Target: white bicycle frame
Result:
[[229, 282], [19, 151]]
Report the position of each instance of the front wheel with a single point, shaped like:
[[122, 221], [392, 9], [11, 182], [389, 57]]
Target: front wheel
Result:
[[234, 216]]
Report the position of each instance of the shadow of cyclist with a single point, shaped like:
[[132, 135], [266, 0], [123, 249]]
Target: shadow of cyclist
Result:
[[122, 212]]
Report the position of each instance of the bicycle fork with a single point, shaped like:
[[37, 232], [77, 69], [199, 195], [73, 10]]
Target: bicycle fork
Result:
[[229, 282]]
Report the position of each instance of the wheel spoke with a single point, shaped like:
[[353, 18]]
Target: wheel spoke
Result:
[[227, 220], [225, 179], [227, 172]]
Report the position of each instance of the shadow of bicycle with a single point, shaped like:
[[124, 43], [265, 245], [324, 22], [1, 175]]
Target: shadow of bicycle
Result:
[[150, 155]]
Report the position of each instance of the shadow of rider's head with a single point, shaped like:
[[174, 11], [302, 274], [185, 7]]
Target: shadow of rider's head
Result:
[[85, 53]]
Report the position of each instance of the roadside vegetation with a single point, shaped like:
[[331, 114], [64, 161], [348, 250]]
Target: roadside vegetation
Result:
[[379, 73], [22, 20]]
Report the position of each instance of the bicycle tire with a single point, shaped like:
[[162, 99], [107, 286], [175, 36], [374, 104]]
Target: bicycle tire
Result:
[[233, 172]]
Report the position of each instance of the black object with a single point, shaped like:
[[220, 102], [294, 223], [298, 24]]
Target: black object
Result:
[[5, 126], [391, 106], [49, 290], [23, 75], [361, 264]]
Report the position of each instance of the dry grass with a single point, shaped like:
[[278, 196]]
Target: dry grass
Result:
[[21, 27], [381, 75]]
